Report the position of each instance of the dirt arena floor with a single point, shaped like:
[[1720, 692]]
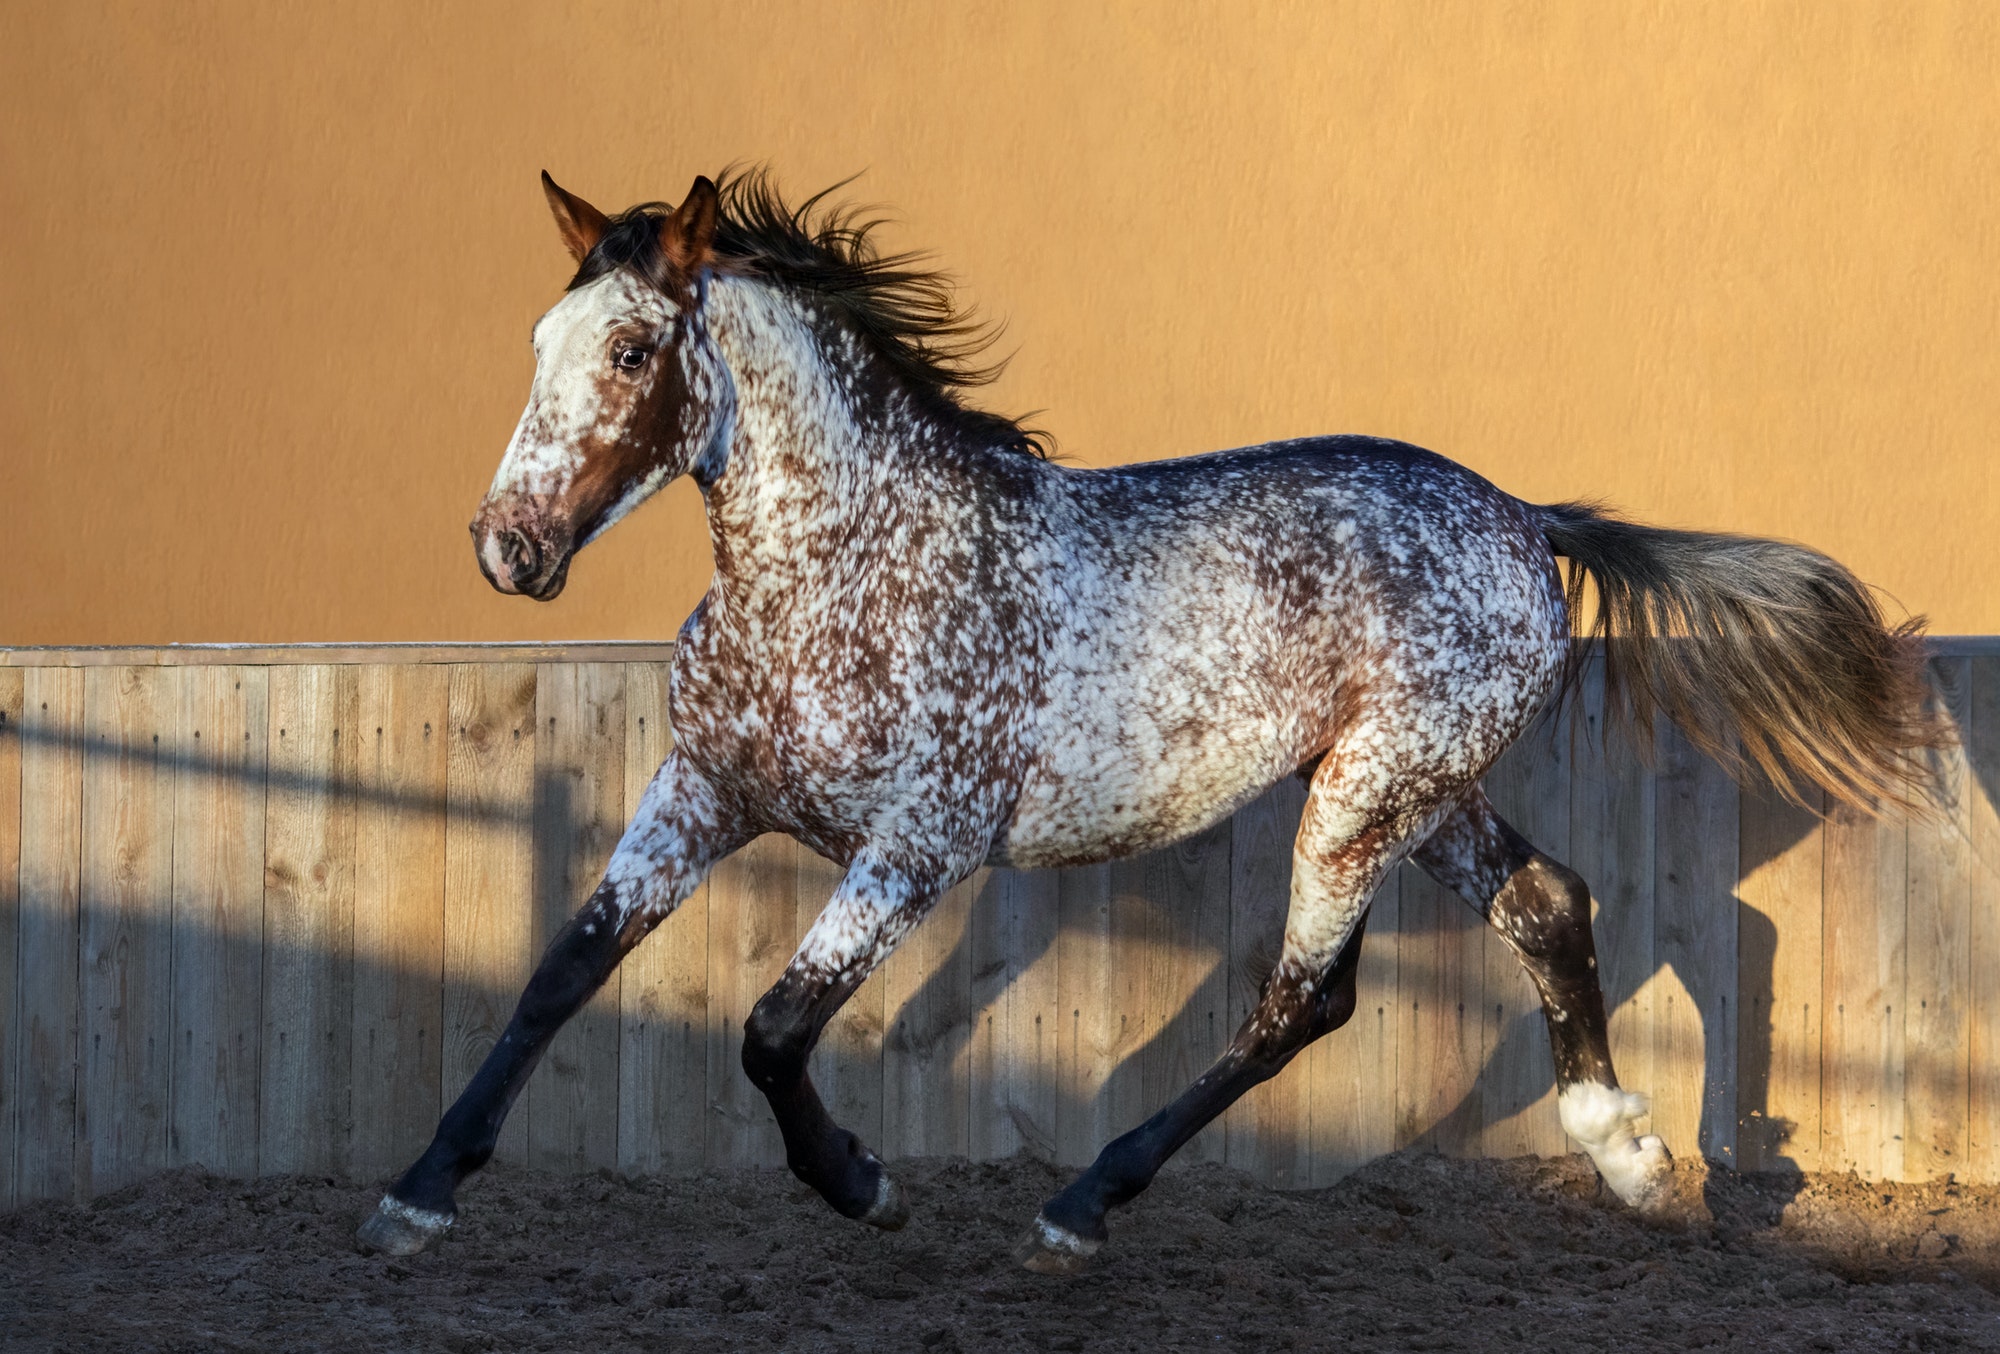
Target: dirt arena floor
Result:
[[1414, 1253]]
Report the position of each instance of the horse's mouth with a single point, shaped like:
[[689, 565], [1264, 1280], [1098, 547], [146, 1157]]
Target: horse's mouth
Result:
[[548, 588]]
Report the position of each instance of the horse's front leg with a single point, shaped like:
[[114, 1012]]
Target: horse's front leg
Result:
[[682, 828], [874, 907]]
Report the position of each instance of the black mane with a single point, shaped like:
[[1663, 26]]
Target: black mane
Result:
[[907, 312]]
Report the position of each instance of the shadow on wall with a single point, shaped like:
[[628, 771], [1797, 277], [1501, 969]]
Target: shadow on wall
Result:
[[258, 966]]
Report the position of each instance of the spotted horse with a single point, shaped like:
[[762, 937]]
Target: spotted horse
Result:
[[929, 648]]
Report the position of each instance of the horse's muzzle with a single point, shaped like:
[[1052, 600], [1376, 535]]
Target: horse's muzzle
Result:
[[517, 557]]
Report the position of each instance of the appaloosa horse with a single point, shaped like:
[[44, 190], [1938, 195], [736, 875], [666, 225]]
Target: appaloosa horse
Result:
[[927, 648]]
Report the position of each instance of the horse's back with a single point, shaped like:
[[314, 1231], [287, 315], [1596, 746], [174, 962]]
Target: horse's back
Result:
[[1218, 621]]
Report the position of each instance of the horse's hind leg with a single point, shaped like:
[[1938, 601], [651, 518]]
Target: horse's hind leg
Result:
[[681, 829], [1347, 841], [1541, 908]]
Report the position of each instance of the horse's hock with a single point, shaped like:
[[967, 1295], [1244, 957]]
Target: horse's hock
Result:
[[265, 910]]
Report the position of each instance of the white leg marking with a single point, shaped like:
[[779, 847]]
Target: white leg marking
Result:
[[1638, 1169]]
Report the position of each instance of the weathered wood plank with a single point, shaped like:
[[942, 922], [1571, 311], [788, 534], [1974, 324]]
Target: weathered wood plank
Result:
[[284, 655], [218, 915], [1938, 978], [752, 933], [125, 958], [402, 757], [1186, 992], [1530, 786], [306, 1077], [10, 927], [1982, 734], [489, 872], [1440, 988], [52, 734], [579, 814], [1269, 1131], [1015, 1068], [1694, 935], [1865, 949], [1099, 981], [1779, 977], [926, 1046], [663, 988], [1613, 820]]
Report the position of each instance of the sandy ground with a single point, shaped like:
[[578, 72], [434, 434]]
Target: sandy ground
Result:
[[1414, 1253]]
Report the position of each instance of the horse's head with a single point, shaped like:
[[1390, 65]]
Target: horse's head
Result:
[[627, 393]]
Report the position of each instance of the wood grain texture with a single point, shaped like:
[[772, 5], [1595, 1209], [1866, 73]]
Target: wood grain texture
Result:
[[579, 814], [1015, 1069], [926, 1044], [1440, 1033], [1864, 941], [46, 1053], [306, 1078], [125, 960], [401, 791], [663, 984], [1780, 981], [1098, 983], [218, 915], [1982, 733], [1937, 1028], [489, 872], [10, 928], [1694, 938]]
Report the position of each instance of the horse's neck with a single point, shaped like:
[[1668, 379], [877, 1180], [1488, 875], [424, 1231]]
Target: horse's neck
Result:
[[807, 459]]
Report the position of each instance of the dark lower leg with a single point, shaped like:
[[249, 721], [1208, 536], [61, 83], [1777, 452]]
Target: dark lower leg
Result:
[[575, 965], [1292, 1012], [778, 1041]]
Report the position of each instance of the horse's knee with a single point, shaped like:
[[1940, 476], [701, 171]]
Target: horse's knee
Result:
[[776, 1043], [1543, 912]]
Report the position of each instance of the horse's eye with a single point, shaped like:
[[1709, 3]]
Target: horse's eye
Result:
[[631, 359]]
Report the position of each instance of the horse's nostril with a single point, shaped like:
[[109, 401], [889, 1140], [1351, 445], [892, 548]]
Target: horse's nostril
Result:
[[523, 560]]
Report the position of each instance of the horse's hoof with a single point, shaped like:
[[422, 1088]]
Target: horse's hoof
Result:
[[1645, 1177], [1049, 1249], [890, 1210], [397, 1228]]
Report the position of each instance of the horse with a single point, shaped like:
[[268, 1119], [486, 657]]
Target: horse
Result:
[[929, 647]]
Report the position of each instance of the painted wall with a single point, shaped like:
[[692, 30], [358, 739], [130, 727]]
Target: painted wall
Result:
[[267, 272]]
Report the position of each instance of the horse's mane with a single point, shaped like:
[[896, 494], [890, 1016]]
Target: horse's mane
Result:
[[908, 313]]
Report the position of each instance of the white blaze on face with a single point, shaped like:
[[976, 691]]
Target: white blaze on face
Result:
[[567, 409]]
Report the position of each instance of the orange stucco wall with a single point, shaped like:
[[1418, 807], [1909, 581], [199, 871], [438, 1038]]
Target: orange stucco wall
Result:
[[267, 271]]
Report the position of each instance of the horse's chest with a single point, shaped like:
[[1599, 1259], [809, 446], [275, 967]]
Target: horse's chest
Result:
[[845, 744]]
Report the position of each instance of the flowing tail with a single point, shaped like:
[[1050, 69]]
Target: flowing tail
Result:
[[1772, 643]]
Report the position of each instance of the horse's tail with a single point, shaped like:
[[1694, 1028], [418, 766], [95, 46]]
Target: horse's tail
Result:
[[1772, 643]]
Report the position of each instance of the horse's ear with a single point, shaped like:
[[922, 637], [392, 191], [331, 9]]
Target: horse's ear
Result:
[[581, 224], [687, 237]]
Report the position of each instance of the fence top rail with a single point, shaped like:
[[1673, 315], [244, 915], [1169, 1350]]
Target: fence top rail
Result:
[[270, 655], [548, 651]]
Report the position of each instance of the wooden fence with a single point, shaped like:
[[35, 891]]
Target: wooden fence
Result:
[[266, 909]]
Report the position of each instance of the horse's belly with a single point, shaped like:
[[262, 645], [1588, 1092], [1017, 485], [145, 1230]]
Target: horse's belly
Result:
[[1088, 800]]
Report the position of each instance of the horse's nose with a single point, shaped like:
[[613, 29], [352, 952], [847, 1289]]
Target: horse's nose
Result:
[[522, 557]]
